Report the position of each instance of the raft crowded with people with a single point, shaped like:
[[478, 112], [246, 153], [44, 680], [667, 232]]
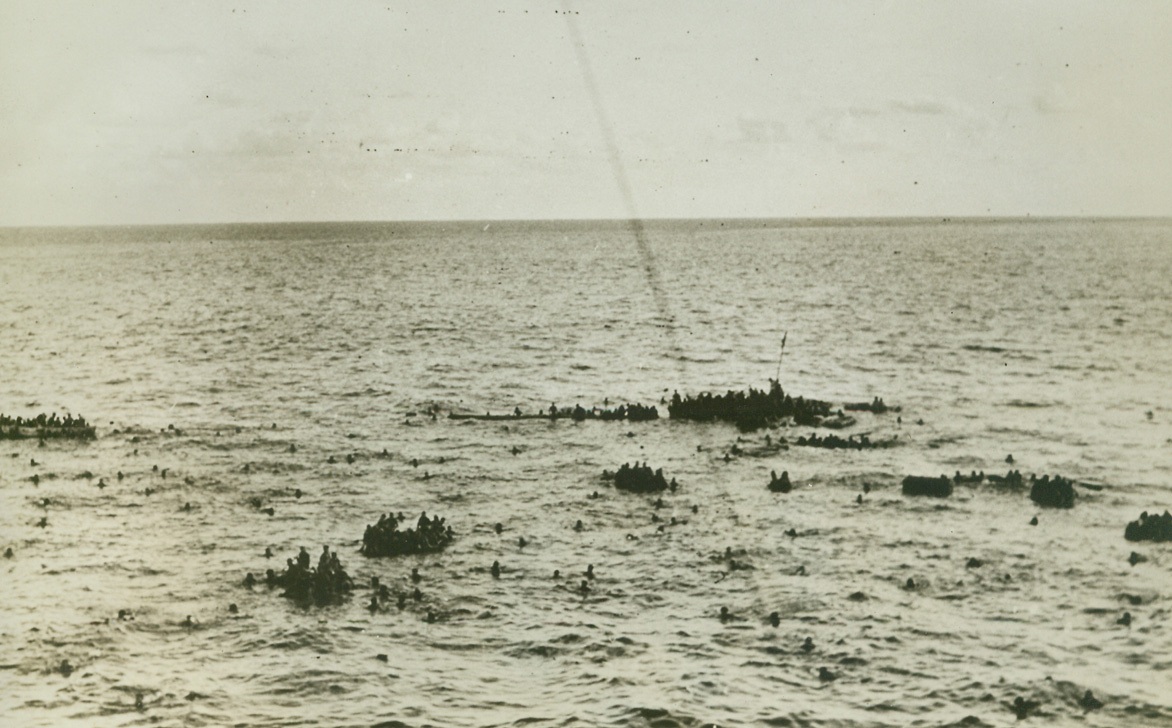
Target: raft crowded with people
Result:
[[385, 538], [45, 427]]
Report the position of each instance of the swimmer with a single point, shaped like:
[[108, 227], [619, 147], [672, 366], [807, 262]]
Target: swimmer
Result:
[[774, 619], [1090, 702], [590, 571], [1022, 708], [233, 609], [808, 645], [496, 569], [415, 577], [578, 526], [725, 615]]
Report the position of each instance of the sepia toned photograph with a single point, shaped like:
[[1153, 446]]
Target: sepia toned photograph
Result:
[[797, 364]]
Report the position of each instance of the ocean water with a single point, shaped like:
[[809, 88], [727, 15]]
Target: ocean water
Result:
[[208, 351]]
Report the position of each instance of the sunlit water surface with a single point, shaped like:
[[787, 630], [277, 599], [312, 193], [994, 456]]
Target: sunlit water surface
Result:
[[1047, 340]]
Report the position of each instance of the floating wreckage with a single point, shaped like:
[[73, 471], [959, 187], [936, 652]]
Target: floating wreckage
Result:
[[921, 485], [327, 584], [1150, 528], [385, 539], [46, 427], [1056, 493], [750, 410], [640, 479], [628, 412]]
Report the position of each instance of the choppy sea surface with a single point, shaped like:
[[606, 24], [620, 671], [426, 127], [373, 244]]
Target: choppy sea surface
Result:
[[239, 360]]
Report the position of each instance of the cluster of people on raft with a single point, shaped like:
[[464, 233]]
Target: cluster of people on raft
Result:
[[386, 539], [876, 406], [327, 584], [834, 442], [1150, 527], [749, 410], [630, 412], [1011, 479], [1056, 492], [44, 426], [641, 479]]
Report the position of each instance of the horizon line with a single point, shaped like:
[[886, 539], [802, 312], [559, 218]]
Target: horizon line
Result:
[[615, 220]]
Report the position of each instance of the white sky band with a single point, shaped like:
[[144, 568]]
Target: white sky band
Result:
[[157, 112]]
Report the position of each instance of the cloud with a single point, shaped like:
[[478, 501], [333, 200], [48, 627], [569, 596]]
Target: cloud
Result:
[[923, 107], [754, 130]]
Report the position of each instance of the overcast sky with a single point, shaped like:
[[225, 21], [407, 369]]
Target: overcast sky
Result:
[[205, 111]]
